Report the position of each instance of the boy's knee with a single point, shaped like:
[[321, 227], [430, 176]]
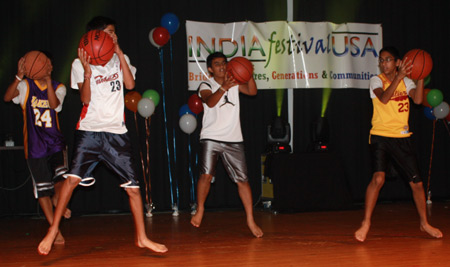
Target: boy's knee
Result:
[[378, 179]]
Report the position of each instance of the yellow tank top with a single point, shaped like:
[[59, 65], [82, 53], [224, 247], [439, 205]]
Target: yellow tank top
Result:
[[391, 119]]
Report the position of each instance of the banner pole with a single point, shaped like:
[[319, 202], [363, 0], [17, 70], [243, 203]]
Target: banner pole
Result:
[[290, 91]]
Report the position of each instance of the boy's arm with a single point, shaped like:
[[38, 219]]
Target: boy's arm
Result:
[[211, 99], [404, 69], [128, 79], [249, 88], [85, 86], [417, 94], [12, 91], [53, 101]]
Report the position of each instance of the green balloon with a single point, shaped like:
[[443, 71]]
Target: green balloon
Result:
[[434, 97], [153, 95], [427, 80]]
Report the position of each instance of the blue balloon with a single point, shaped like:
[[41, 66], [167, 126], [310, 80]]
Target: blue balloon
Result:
[[185, 110], [170, 22], [429, 113]]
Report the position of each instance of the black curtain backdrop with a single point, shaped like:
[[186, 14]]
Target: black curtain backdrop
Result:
[[57, 26]]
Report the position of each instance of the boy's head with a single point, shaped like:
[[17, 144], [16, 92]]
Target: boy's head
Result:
[[215, 57], [99, 23], [391, 50]]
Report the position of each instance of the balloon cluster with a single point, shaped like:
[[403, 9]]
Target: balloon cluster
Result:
[[188, 114], [435, 107], [145, 104], [159, 36]]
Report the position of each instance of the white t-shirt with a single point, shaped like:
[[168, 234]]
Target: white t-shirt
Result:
[[105, 111], [22, 87], [222, 122], [375, 82]]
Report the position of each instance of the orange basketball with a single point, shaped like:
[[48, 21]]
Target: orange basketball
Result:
[[241, 69], [99, 45], [35, 65], [422, 63]]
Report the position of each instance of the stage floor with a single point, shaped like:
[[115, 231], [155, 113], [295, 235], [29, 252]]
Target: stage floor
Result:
[[298, 239]]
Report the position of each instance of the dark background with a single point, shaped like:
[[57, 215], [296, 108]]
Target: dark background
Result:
[[56, 26]]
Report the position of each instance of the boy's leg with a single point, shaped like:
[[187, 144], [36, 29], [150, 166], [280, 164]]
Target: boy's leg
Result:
[[419, 200], [67, 213], [203, 186], [373, 189], [245, 194], [47, 208], [138, 215], [66, 192]]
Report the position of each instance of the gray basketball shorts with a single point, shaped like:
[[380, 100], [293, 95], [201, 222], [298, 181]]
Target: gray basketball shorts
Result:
[[232, 155]]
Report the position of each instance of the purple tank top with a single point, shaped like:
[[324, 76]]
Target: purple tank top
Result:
[[41, 133]]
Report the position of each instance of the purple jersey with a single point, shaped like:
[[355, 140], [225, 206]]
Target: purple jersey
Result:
[[41, 133]]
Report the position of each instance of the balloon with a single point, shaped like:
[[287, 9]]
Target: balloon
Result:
[[153, 95], [161, 36], [131, 100], [441, 111], [425, 100], [188, 123], [170, 22], [150, 37], [427, 80], [435, 97], [448, 117], [195, 103], [429, 113], [185, 110], [146, 107]]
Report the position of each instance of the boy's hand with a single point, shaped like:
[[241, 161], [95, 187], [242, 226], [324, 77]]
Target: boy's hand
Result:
[[21, 68], [228, 82], [405, 68], [85, 59]]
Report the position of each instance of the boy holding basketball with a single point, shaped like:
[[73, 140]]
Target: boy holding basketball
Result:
[[45, 151], [101, 133], [221, 136], [390, 136]]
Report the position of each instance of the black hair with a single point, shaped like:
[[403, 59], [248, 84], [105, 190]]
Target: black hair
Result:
[[99, 23], [391, 50], [214, 55]]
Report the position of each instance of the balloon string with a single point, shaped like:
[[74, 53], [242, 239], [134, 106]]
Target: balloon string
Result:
[[173, 134], [142, 162], [446, 126], [431, 160], [165, 123], [190, 171], [147, 130]]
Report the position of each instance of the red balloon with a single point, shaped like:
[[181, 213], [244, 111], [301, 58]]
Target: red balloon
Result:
[[131, 100], [195, 104], [161, 36]]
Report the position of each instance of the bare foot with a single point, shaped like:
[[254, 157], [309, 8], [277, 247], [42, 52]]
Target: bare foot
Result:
[[197, 218], [434, 232], [46, 244], [67, 214], [361, 233], [147, 243], [256, 231], [59, 240]]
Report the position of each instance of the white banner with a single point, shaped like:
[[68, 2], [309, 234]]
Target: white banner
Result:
[[290, 54]]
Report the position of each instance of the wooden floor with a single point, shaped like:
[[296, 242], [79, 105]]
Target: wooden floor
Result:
[[300, 239]]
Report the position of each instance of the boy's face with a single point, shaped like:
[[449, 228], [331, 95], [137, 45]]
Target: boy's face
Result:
[[218, 67], [111, 31], [388, 64]]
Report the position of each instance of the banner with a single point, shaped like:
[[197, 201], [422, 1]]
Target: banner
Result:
[[289, 54]]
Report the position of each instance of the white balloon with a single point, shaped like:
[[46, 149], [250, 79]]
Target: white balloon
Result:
[[441, 111], [188, 123], [150, 37], [146, 107]]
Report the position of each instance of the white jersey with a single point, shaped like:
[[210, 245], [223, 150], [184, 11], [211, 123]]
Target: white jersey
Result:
[[222, 122], [105, 111]]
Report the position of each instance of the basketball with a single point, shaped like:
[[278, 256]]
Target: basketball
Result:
[[35, 65], [422, 63], [98, 45], [241, 69]]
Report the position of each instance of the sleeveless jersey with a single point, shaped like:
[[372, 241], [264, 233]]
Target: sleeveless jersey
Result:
[[105, 112], [222, 122], [391, 119], [41, 133]]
